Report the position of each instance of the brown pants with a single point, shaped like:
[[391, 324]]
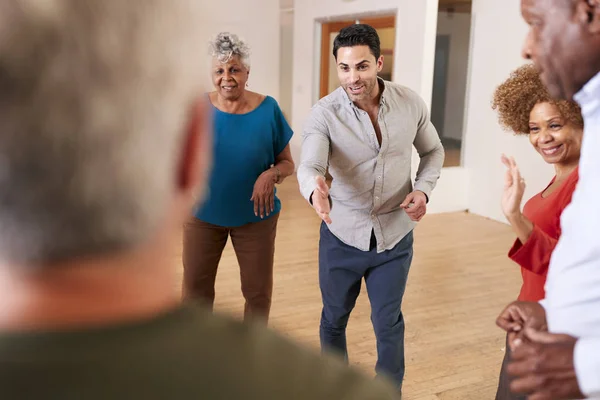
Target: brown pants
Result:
[[254, 246]]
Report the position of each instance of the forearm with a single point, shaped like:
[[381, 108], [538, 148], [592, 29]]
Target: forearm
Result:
[[430, 167], [283, 169], [315, 158], [521, 226]]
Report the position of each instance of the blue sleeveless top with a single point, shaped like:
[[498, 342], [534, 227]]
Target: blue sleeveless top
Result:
[[244, 146]]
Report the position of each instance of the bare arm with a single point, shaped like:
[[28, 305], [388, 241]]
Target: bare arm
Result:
[[284, 165], [522, 227]]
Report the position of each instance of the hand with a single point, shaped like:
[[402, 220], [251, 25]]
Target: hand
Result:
[[543, 368], [263, 194], [518, 316], [514, 187], [320, 199], [415, 205]]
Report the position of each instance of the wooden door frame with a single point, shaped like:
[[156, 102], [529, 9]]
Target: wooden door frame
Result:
[[388, 21]]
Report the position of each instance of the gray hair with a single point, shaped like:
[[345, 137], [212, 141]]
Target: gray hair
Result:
[[227, 45], [94, 99]]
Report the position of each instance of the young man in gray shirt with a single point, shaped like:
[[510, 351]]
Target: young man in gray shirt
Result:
[[363, 134]]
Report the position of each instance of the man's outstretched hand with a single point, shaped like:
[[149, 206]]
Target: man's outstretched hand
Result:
[[320, 199]]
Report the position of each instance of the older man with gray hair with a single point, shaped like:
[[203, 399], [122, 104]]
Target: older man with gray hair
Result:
[[103, 149]]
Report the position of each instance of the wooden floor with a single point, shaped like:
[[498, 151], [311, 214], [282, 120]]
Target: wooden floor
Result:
[[459, 281], [452, 157]]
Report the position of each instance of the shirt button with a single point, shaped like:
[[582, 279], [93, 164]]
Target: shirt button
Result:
[[379, 178], [377, 198]]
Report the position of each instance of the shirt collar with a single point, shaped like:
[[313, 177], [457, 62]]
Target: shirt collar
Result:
[[588, 96]]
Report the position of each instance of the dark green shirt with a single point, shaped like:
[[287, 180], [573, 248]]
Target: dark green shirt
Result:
[[187, 353]]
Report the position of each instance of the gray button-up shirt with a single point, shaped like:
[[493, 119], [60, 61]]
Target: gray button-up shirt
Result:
[[370, 181]]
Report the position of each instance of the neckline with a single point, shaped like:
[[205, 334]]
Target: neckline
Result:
[[559, 188], [234, 114]]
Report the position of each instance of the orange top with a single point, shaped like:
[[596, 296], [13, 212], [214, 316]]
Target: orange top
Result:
[[534, 255]]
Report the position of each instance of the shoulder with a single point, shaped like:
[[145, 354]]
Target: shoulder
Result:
[[257, 100], [266, 103], [330, 107], [333, 102], [255, 352], [571, 184], [402, 94]]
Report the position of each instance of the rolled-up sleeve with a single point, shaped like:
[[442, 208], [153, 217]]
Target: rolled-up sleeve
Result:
[[431, 152], [316, 146]]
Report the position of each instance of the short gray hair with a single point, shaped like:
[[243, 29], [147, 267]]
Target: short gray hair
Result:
[[94, 99], [227, 45]]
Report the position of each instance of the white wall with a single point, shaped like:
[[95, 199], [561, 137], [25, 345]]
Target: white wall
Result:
[[240, 17], [458, 27], [496, 52], [286, 67]]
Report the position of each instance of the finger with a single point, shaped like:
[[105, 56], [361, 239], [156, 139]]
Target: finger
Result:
[[544, 394], [505, 161], [519, 178], [513, 340], [272, 202], [267, 203], [519, 368], [510, 319], [543, 337], [407, 200], [261, 206], [526, 384], [508, 179], [325, 217], [504, 321], [322, 205], [418, 202], [255, 199], [322, 185], [514, 174]]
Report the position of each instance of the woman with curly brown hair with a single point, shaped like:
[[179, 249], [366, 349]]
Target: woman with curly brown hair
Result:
[[555, 130]]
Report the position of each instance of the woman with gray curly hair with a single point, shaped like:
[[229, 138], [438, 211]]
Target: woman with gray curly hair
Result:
[[251, 155]]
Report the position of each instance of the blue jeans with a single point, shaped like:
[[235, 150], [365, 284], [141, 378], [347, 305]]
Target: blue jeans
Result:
[[341, 270]]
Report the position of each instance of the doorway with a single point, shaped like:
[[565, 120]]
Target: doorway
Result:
[[440, 83], [386, 29], [450, 76]]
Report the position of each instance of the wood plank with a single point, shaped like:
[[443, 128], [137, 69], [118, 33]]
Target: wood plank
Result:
[[460, 280]]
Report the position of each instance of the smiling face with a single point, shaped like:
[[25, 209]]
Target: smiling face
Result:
[[230, 78], [357, 72], [556, 139]]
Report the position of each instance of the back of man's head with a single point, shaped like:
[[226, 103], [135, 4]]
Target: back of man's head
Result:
[[94, 99]]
